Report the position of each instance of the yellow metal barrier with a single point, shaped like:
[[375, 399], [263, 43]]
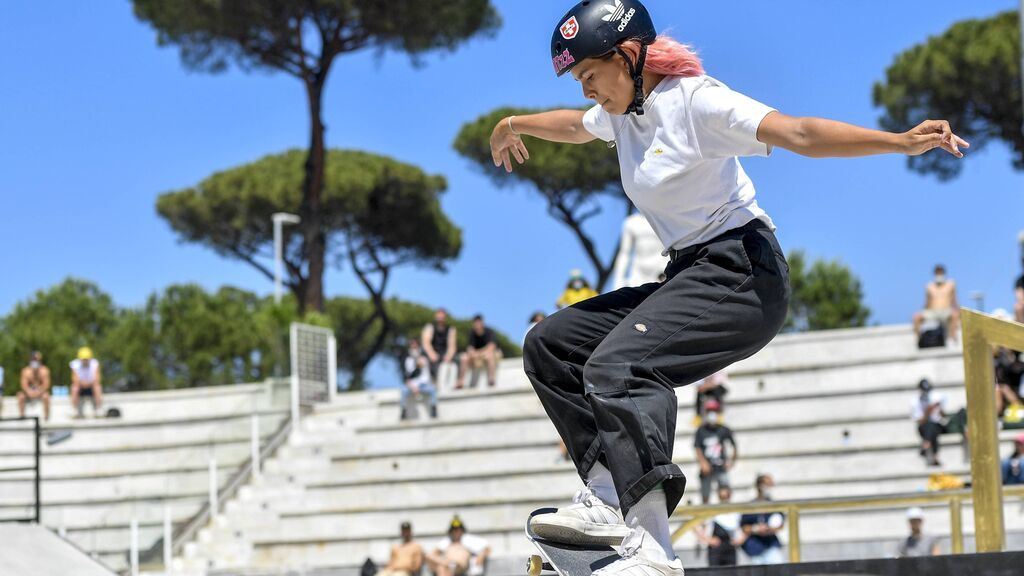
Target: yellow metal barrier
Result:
[[980, 333], [793, 509]]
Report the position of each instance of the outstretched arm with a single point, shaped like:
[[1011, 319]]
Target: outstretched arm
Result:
[[555, 125], [821, 138]]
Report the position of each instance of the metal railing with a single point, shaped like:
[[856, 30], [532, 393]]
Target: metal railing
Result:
[[980, 333], [37, 479], [954, 499]]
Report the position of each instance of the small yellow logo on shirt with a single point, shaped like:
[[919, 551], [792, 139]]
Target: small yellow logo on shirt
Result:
[[658, 151]]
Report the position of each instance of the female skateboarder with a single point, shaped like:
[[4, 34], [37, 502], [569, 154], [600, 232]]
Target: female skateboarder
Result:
[[605, 368]]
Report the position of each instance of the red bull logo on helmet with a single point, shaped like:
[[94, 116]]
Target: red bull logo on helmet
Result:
[[563, 61]]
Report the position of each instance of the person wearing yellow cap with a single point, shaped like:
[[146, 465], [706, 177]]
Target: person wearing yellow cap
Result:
[[86, 381], [459, 553]]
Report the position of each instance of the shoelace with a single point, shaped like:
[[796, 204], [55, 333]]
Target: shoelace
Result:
[[584, 496], [632, 542]]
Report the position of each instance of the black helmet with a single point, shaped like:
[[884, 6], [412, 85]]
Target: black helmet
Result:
[[594, 28]]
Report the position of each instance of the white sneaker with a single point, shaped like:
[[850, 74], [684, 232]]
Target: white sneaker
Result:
[[588, 520], [641, 556]]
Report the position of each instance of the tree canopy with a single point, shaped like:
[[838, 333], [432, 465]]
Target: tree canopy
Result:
[[573, 178], [969, 75], [302, 39], [826, 296]]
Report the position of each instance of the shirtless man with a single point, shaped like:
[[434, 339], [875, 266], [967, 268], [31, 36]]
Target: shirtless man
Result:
[[459, 553], [1018, 290], [35, 385], [640, 247], [940, 304], [406, 558], [85, 381]]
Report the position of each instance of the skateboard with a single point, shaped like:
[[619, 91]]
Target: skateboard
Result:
[[565, 559]]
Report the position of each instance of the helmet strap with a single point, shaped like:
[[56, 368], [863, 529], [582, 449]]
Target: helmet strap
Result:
[[637, 73]]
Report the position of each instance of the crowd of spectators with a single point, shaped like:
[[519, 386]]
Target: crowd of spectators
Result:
[[36, 385], [756, 534]]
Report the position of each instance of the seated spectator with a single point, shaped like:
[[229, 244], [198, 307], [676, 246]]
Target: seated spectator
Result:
[[927, 410], [35, 385], [940, 308], [406, 557], [417, 381], [438, 340], [481, 352], [917, 544], [712, 387], [1008, 369], [86, 382], [709, 444], [760, 540], [1013, 472], [577, 290], [459, 553], [722, 533], [534, 320]]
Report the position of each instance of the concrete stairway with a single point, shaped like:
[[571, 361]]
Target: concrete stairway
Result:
[[156, 455], [827, 414]]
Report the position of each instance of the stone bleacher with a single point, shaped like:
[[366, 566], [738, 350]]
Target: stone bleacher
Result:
[[156, 454], [826, 413]]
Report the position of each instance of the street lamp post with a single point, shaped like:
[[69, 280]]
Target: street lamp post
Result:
[[280, 219]]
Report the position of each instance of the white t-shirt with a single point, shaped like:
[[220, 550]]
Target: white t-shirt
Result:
[[679, 160], [919, 404], [475, 544], [86, 374]]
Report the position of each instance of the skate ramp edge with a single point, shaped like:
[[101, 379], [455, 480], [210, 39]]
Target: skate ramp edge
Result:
[[996, 564], [31, 550]]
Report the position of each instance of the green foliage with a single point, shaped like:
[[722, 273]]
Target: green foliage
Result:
[[571, 177], [969, 75], [56, 322], [298, 36], [826, 296], [408, 320], [365, 195]]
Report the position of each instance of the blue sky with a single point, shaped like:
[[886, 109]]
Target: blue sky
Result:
[[97, 121]]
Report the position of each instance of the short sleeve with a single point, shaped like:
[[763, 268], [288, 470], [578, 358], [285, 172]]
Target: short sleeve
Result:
[[725, 123], [598, 122]]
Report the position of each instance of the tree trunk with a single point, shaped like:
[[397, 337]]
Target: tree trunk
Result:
[[314, 239]]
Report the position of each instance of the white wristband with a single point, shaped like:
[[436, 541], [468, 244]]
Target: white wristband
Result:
[[510, 126]]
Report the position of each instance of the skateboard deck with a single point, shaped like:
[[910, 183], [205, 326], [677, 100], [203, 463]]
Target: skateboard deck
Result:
[[565, 559]]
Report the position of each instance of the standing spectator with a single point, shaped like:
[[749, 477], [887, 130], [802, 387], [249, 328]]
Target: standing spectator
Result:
[[940, 305], [1013, 472], [1018, 292], [406, 557], [35, 385], [577, 290], [86, 381], [459, 553], [482, 349], [417, 381], [917, 544], [927, 410], [712, 387], [722, 533], [1008, 369], [712, 454], [438, 341], [762, 544]]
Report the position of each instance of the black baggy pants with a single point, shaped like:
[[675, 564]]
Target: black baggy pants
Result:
[[605, 368]]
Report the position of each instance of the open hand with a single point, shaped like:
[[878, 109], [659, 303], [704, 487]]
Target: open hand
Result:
[[934, 134], [505, 144]]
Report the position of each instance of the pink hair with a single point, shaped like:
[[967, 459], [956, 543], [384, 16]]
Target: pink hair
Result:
[[669, 57]]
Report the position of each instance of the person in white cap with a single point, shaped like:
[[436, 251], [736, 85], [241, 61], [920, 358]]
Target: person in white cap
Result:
[[917, 544]]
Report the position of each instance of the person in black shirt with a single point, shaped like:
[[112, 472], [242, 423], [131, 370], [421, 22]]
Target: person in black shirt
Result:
[[721, 533], [482, 350], [712, 454], [438, 340]]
